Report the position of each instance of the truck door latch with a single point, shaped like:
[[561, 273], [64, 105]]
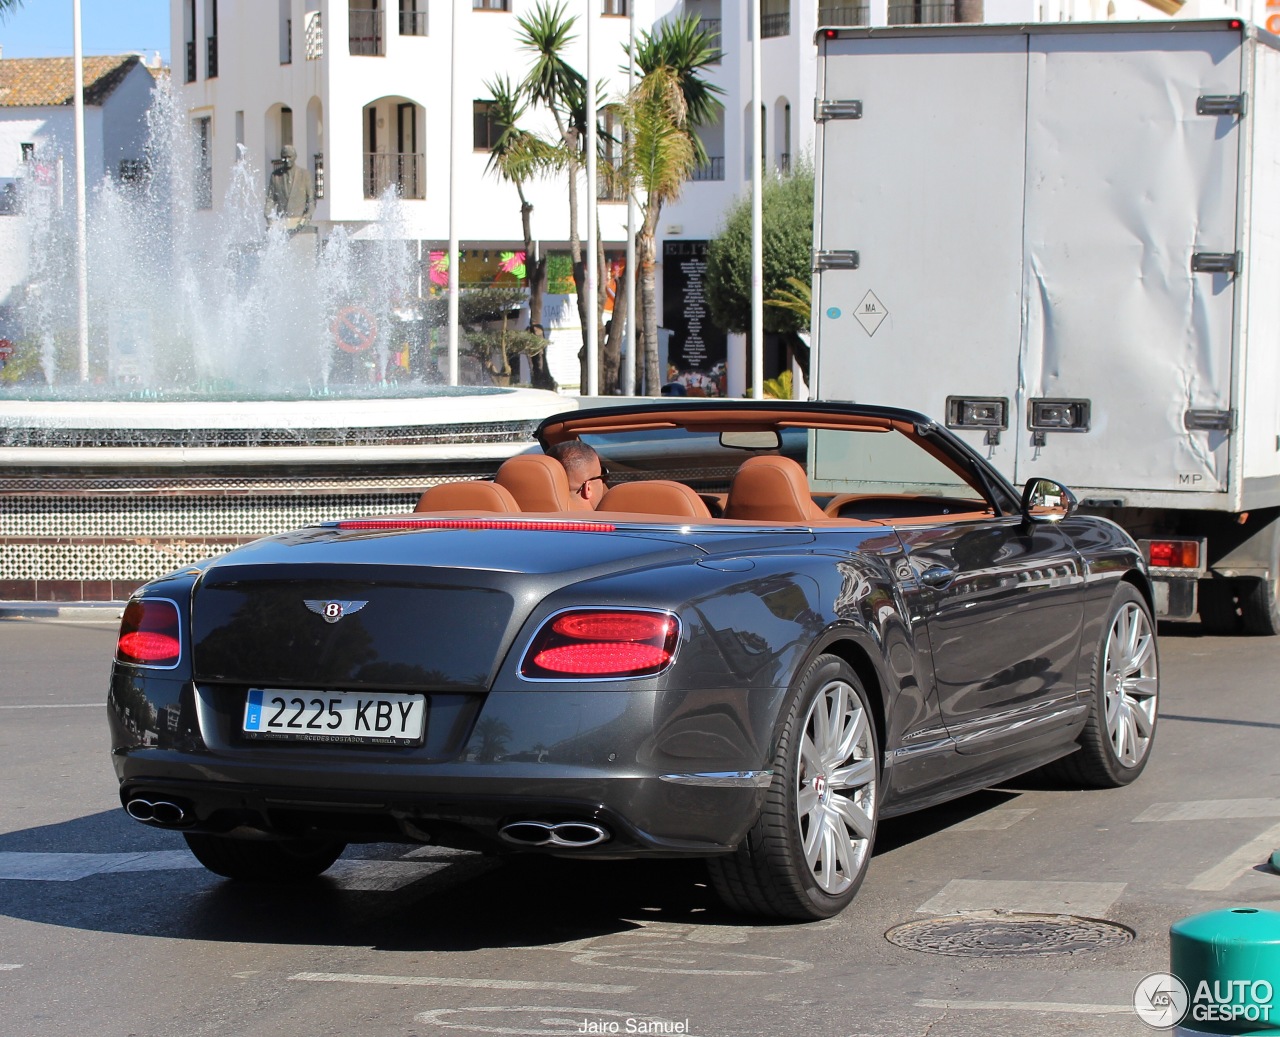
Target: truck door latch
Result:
[[1216, 262], [1208, 420], [836, 259], [1222, 104], [824, 110]]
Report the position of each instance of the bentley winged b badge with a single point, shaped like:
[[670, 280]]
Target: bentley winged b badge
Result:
[[332, 611]]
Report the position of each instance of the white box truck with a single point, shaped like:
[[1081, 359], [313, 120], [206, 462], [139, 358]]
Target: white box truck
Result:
[[1063, 241]]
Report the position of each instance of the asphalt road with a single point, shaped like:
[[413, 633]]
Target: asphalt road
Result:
[[109, 928]]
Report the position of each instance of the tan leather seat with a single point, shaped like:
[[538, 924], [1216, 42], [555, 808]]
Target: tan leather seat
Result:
[[655, 497], [536, 481], [467, 496], [771, 488]]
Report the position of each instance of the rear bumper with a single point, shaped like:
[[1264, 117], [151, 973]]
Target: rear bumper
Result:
[[644, 817]]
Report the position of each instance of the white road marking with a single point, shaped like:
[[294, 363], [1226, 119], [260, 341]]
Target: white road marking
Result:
[[1210, 810], [992, 821], [1028, 1006], [1092, 899], [683, 960], [59, 705], [70, 867], [458, 981], [9, 968], [1220, 876], [378, 876], [531, 1021]]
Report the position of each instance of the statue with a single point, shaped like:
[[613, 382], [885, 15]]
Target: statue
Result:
[[290, 196]]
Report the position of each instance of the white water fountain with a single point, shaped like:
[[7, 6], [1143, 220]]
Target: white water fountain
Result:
[[261, 378]]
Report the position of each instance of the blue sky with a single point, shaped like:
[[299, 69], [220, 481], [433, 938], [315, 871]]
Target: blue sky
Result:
[[42, 28]]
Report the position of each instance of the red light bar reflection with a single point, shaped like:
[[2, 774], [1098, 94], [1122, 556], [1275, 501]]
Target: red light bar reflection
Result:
[[408, 523]]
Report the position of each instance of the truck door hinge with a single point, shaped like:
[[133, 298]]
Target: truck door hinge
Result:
[[824, 110], [1216, 262], [1209, 420], [1222, 104], [835, 259]]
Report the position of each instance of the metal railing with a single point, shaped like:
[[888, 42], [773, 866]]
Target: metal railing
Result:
[[608, 186], [191, 61], [413, 23], [712, 169], [613, 7], [775, 25], [711, 27], [365, 34], [844, 14], [491, 5], [922, 13], [313, 36], [317, 174], [784, 162], [286, 56], [403, 170], [211, 57]]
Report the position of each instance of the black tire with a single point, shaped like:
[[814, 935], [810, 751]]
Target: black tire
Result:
[[1216, 601], [260, 860], [773, 873], [1260, 606], [1116, 741]]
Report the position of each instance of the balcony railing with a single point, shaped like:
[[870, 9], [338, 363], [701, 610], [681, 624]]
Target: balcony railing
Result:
[[313, 34], [191, 61], [317, 174], [844, 14], [775, 25], [211, 57], [711, 27], [366, 32], [406, 172], [922, 13], [608, 185], [784, 162], [413, 23], [613, 7], [712, 169]]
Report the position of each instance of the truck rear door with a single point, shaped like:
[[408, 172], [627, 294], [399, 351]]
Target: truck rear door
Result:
[[927, 186], [1129, 190]]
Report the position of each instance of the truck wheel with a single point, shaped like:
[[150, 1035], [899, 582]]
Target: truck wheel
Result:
[[1117, 738], [1219, 613], [1260, 599]]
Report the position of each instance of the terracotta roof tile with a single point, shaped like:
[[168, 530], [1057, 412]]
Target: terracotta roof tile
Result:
[[35, 82]]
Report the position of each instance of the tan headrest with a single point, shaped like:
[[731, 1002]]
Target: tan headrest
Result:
[[771, 488], [537, 482], [467, 496], [655, 497]]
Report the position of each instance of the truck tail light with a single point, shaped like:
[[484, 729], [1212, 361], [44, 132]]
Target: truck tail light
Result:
[[602, 643], [150, 633], [1173, 554]]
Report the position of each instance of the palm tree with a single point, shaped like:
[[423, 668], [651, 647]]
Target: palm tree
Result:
[[9, 5], [661, 155], [517, 156], [557, 86], [663, 150]]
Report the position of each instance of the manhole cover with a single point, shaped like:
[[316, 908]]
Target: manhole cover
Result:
[[992, 935]]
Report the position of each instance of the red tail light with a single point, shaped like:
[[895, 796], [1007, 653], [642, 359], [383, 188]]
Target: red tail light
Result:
[[602, 643], [150, 633], [1174, 554]]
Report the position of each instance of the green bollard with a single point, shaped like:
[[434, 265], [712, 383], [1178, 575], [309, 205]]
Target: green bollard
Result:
[[1229, 962]]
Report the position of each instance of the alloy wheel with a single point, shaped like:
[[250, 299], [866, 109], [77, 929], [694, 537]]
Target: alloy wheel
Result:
[[1131, 684]]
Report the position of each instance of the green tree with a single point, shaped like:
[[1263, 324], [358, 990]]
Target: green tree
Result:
[[489, 335], [517, 156], [788, 260], [663, 149]]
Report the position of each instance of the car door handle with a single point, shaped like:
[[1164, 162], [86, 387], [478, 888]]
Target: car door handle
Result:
[[937, 576]]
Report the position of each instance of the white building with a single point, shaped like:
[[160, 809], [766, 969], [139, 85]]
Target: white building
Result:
[[365, 91]]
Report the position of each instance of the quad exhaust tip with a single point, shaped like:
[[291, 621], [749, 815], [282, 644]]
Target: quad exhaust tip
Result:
[[575, 835], [157, 812]]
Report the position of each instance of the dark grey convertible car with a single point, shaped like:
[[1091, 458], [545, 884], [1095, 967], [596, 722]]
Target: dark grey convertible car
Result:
[[785, 622]]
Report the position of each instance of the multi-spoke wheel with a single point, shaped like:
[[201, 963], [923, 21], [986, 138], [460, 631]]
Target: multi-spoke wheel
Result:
[[1116, 741], [808, 853]]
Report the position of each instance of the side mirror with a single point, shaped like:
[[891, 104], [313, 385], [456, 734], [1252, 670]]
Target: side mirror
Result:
[[1047, 500]]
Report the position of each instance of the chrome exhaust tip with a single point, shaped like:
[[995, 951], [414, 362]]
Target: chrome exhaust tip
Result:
[[156, 812], [566, 834]]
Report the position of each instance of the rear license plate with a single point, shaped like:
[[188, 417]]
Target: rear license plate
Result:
[[382, 718]]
